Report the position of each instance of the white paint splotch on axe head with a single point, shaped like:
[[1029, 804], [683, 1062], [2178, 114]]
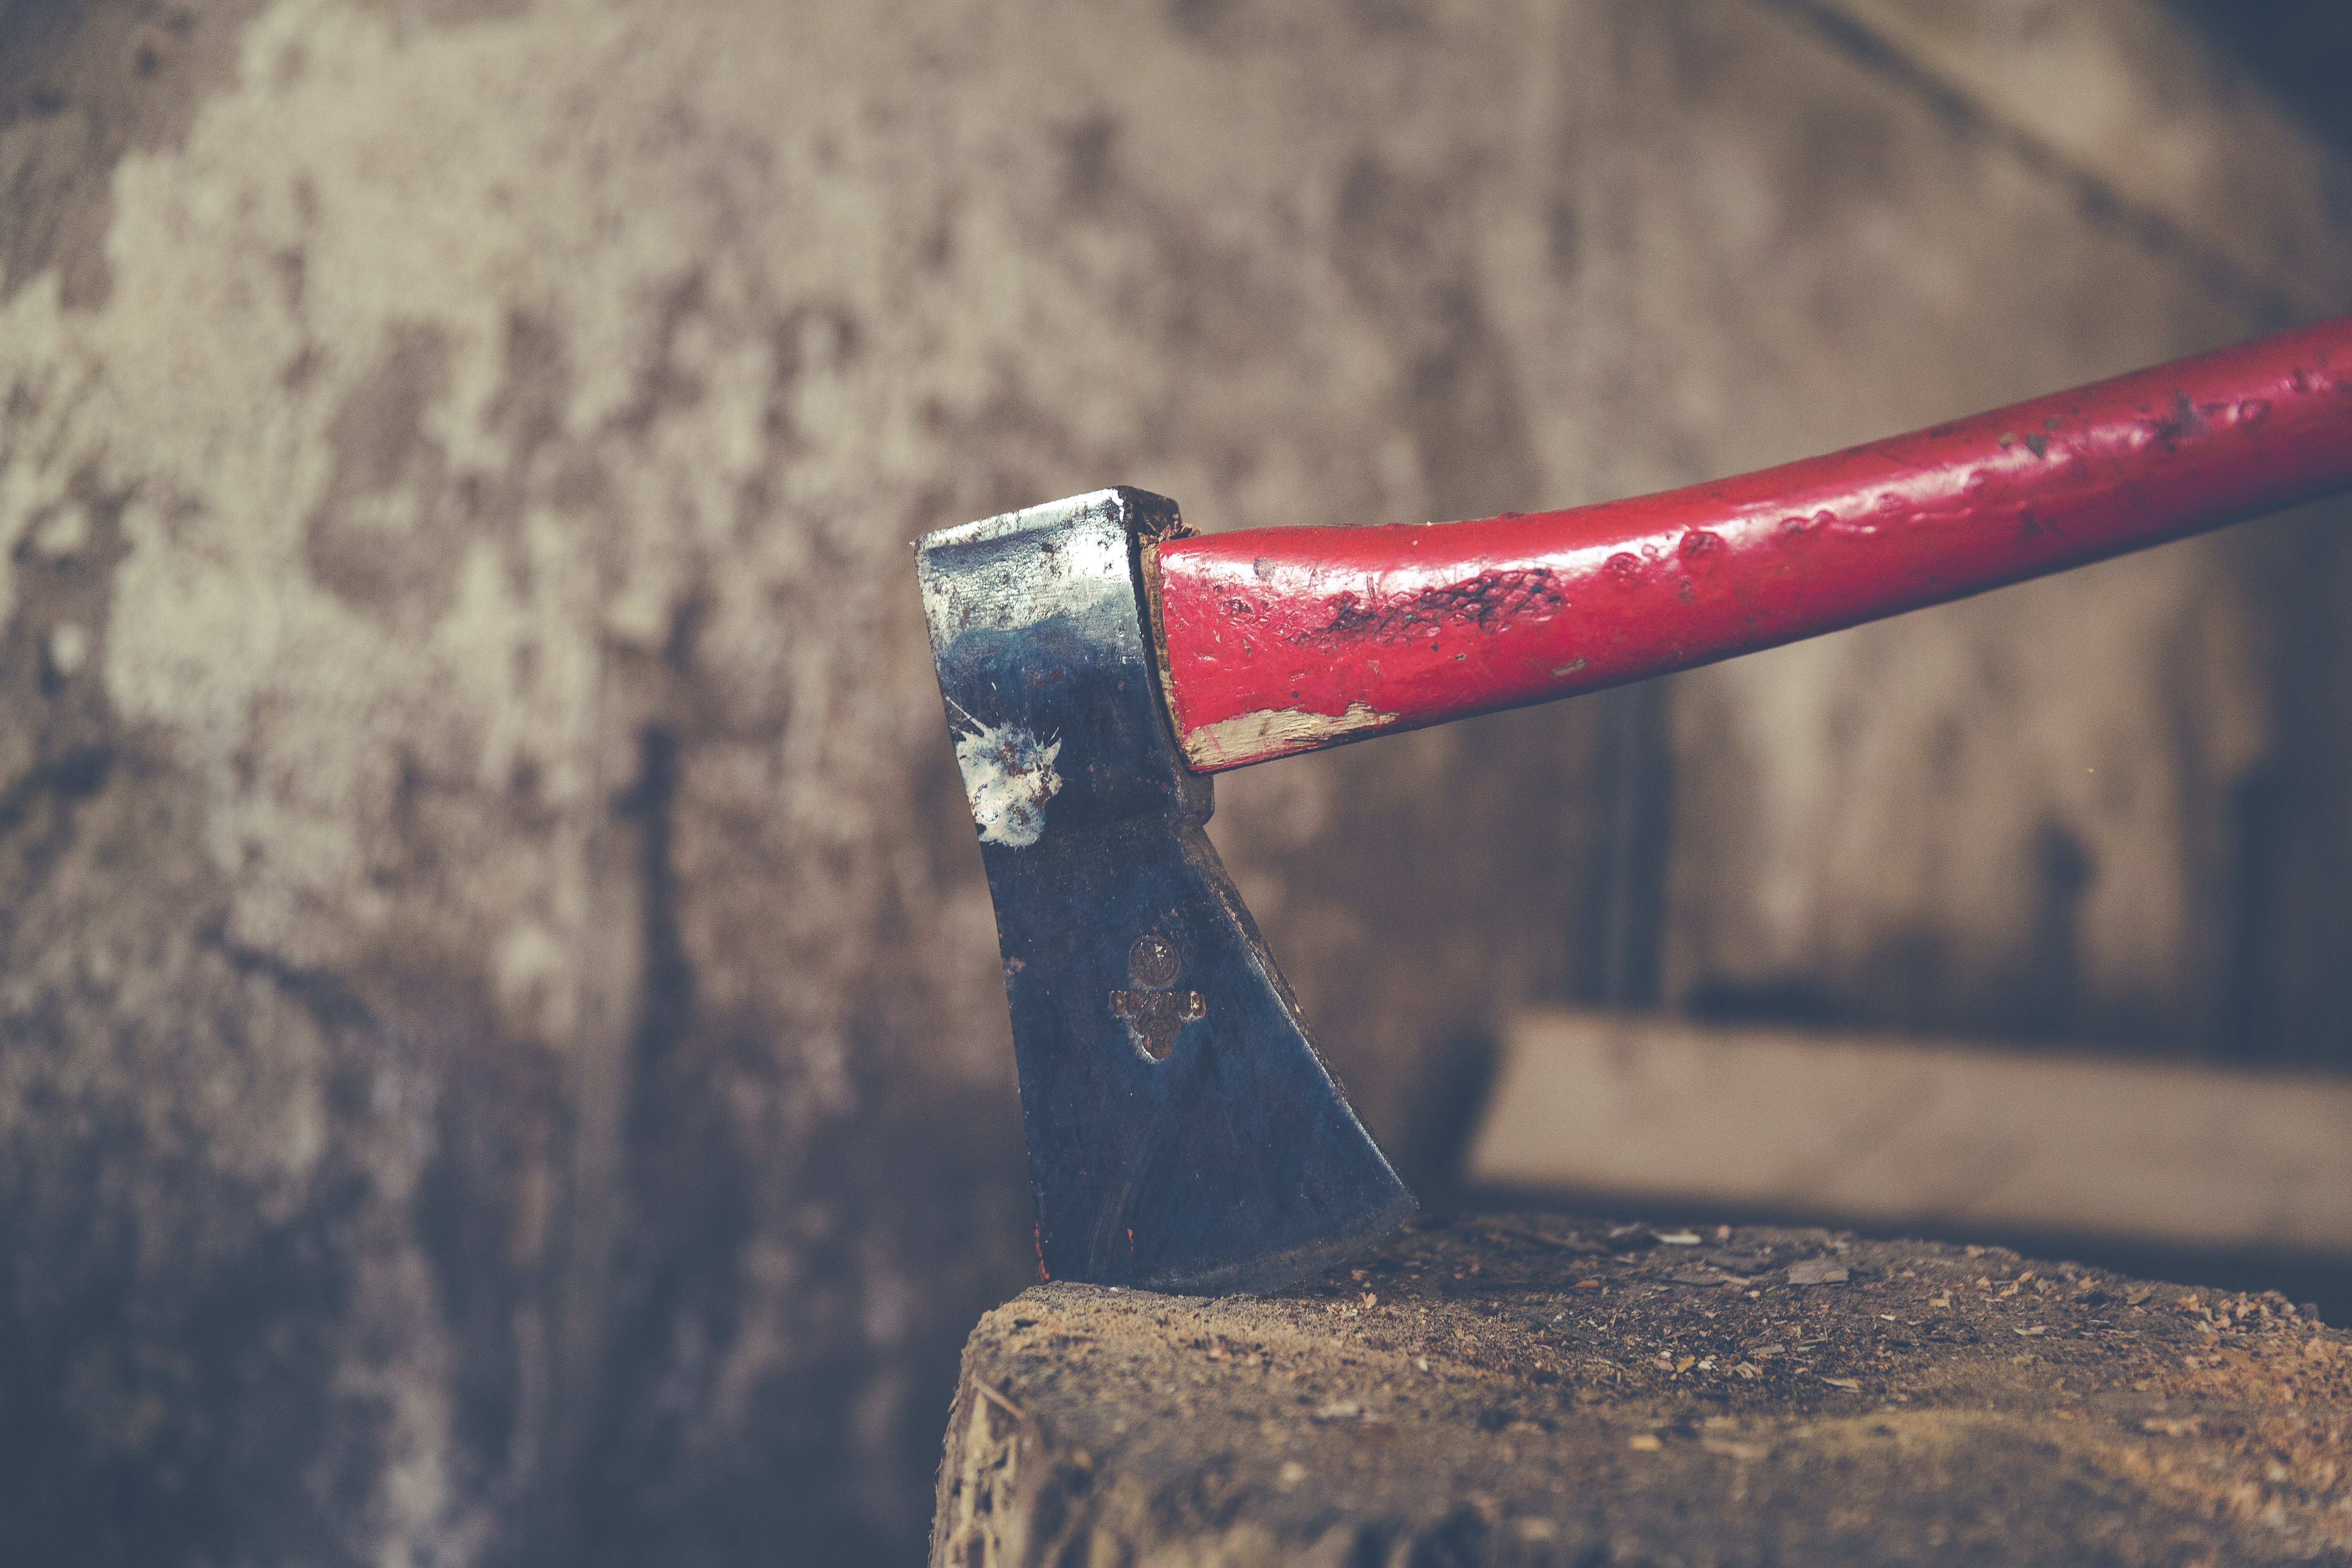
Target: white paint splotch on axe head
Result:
[[1008, 776]]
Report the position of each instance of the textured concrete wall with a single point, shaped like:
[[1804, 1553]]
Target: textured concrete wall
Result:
[[2085, 807], [501, 1055]]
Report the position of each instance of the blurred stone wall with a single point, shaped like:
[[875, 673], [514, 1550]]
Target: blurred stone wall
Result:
[[501, 1052]]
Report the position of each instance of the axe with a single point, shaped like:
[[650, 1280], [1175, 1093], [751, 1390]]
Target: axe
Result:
[[1099, 662]]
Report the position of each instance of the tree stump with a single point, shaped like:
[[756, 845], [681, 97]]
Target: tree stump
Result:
[[1535, 1390]]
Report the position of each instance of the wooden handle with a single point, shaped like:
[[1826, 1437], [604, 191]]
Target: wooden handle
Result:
[[1286, 639]]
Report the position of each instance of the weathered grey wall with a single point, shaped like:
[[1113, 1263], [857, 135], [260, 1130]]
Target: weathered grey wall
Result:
[[501, 1055], [2083, 808]]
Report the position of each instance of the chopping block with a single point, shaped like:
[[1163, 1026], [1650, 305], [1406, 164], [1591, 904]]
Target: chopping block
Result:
[[1532, 1389]]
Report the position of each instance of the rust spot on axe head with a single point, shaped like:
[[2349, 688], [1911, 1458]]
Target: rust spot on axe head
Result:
[[1184, 1134]]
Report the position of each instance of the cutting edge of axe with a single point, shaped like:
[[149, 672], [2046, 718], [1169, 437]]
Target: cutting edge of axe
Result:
[[1099, 661]]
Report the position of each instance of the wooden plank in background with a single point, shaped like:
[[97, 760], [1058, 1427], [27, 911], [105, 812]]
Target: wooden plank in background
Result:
[[1895, 1133]]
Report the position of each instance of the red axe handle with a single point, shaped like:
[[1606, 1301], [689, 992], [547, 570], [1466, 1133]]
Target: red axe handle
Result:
[[1286, 639]]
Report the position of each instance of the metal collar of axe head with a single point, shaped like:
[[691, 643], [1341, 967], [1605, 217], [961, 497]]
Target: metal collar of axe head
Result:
[[1184, 1133]]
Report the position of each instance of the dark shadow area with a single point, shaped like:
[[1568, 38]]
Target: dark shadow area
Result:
[[2300, 49], [1436, 1143], [1623, 925]]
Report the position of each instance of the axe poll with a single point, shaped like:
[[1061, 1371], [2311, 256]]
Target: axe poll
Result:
[[1099, 662]]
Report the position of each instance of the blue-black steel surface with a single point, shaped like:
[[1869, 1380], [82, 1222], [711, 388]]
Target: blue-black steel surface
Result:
[[1234, 1161]]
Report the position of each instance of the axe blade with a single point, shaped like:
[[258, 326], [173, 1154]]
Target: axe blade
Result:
[[1184, 1133]]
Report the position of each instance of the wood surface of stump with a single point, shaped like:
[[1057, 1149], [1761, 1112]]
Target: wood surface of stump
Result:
[[1536, 1390]]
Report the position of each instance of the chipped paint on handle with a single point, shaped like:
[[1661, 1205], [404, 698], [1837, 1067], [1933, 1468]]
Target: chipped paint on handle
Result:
[[1247, 737], [1285, 640]]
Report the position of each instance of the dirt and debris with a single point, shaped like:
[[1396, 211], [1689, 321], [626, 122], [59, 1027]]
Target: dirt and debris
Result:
[[1533, 1389]]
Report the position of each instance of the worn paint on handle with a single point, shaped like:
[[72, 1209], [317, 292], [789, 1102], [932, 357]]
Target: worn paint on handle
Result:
[[1283, 640]]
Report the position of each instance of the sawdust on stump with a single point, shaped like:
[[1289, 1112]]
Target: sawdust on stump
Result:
[[1534, 1390]]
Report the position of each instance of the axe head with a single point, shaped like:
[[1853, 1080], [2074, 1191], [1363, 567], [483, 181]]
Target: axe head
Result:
[[1184, 1134]]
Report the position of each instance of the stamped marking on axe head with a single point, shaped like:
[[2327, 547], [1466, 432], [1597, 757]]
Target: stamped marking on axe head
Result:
[[1182, 1136], [1155, 1016]]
